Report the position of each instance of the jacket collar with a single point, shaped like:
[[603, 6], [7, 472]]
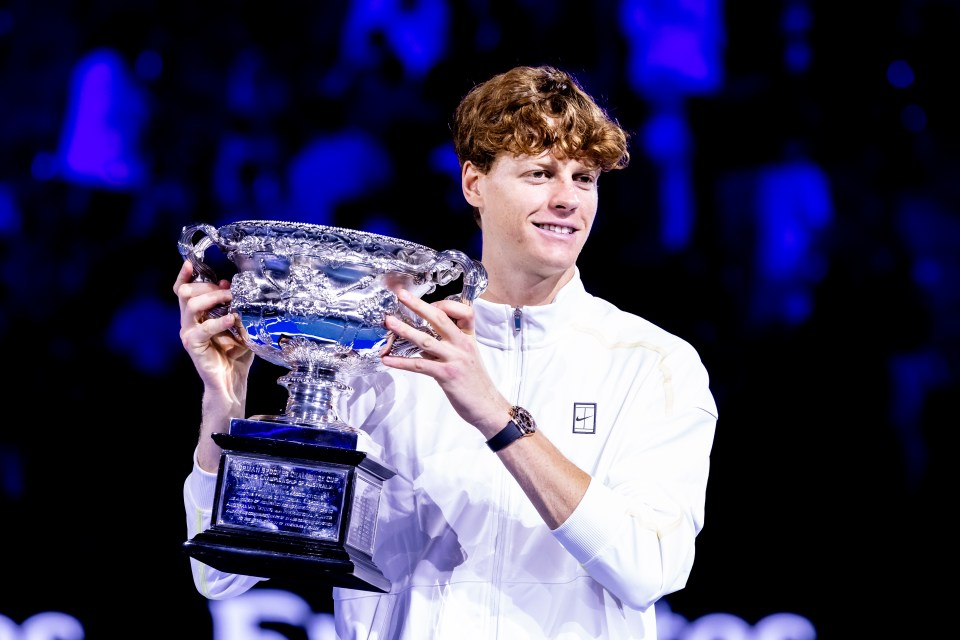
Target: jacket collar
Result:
[[542, 325]]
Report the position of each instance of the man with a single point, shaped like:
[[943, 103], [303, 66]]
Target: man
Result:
[[556, 448]]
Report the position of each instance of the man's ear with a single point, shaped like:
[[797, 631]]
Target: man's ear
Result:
[[470, 183]]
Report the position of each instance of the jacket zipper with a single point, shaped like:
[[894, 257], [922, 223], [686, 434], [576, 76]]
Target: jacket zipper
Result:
[[501, 529]]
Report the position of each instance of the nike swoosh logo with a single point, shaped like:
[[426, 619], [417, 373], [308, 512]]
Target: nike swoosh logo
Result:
[[581, 418]]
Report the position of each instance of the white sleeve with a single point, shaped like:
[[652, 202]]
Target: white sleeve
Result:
[[199, 489], [635, 527]]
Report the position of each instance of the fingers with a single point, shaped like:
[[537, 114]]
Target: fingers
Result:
[[428, 341], [196, 304], [210, 337], [198, 297], [400, 330], [461, 314], [445, 316], [199, 329], [213, 326], [185, 276], [446, 344]]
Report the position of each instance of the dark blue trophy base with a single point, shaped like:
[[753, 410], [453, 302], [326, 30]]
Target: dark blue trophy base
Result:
[[294, 502]]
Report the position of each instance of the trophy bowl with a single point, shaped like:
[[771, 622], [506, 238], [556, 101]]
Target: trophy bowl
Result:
[[297, 494], [312, 298]]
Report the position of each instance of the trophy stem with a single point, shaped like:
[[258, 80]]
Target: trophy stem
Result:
[[313, 396]]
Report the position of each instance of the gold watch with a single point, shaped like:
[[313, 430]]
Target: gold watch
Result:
[[520, 425]]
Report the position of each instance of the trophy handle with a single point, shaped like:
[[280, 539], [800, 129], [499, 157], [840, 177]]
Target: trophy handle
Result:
[[474, 283], [194, 252], [474, 276]]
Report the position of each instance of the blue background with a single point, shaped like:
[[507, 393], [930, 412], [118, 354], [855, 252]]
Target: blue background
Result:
[[791, 209]]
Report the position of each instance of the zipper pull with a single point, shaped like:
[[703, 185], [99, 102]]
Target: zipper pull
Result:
[[516, 319]]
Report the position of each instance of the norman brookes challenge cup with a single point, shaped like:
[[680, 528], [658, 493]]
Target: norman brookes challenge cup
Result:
[[297, 495]]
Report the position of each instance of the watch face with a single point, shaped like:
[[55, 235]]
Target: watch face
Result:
[[523, 419]]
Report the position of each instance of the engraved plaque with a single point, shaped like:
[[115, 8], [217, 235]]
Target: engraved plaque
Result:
[[262, 494], [363, 525]]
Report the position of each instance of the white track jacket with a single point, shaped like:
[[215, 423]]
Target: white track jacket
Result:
[[466, 552]]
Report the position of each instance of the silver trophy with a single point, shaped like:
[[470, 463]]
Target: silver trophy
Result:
[[297, 495]]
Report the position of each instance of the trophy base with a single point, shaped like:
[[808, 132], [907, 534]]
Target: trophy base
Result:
[[294, 502], [254, 555]]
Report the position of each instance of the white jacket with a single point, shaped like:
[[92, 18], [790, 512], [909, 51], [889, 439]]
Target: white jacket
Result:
[[468, 555]]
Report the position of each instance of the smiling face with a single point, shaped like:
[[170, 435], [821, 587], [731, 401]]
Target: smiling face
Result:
[[531, 144], [536, 213]]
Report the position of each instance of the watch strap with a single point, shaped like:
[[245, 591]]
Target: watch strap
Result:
[[508, 435]]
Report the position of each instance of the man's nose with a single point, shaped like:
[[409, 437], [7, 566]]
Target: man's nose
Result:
[[566, 196]]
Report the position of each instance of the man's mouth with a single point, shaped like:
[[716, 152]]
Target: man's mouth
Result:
[[555, 228]]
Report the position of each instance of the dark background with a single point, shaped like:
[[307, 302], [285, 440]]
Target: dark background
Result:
[[791, 209]]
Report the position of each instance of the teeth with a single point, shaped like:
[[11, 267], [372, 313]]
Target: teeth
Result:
[[555, 228]]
